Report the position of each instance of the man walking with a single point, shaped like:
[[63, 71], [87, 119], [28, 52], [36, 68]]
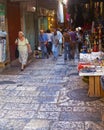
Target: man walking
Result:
[[66, 44], [43, 40], [60, 37]]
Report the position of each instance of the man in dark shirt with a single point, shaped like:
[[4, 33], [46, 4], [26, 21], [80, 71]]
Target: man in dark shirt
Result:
[[66, 45], [72, 34]]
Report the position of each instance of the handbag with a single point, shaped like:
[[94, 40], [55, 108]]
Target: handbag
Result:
[[29, 48], [16, 52]]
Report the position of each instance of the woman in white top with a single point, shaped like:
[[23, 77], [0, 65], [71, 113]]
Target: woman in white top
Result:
[[49, 46], [23, 45]]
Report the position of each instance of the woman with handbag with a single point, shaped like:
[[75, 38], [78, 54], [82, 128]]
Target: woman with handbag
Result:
[[23, 48]]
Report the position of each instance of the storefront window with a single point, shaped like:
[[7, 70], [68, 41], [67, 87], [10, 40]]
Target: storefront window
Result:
[[2, 17], [3, 50]]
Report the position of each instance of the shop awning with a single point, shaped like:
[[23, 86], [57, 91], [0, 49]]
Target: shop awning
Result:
[[48, 4]]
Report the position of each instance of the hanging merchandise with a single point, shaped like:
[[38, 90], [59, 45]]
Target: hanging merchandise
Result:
[[101, 8], [2, 50], [2, 46]]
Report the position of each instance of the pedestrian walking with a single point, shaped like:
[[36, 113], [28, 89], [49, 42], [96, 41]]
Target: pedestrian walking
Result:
[[66, 45], [80, 40], [24, 48], [60, 37], [49, 45], [73, 37], [55, 44], [43, 40]]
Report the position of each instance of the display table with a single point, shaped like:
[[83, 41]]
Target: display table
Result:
[[91, 60], [95, 89]]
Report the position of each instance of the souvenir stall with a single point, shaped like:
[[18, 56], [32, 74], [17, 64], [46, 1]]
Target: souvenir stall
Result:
[[92, 65], [93, 39], [92, 59]]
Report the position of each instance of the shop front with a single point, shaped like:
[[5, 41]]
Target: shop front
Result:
[[20, 17], [4, 52], [52, 19], [91, 62], [28, 12], [47, 19]]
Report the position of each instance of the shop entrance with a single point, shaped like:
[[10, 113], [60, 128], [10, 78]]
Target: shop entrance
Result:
[[29, 28]]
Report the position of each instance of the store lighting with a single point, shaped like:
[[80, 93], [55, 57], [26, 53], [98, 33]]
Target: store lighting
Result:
[[79, 28], [34, 8], [64, 2], [52, 19]]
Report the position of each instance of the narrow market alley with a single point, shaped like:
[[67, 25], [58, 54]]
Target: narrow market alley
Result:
[[48, 95]]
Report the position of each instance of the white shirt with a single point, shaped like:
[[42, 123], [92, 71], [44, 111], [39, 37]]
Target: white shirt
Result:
[[22, 45], [49, 35], [60, 37]]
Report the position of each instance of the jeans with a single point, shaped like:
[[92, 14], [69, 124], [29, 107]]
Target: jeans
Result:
[[67, 51], [60, 48], [49, 48], [55, 50], [44, 50]]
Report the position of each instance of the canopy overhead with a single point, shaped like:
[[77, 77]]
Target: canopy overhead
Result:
[[49, 4]]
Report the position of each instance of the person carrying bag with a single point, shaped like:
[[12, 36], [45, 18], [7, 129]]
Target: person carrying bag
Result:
[[24, 48]]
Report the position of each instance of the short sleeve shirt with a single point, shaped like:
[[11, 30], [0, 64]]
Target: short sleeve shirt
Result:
[[22, 45]]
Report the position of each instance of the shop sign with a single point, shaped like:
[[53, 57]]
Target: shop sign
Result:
[[2, 9]]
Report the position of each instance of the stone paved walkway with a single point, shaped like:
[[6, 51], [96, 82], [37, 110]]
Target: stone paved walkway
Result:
[[48, 95]]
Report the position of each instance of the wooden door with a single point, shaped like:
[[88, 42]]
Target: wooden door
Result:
[[14, 25]]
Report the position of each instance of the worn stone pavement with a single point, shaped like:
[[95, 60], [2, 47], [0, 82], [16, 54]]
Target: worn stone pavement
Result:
[[48, 95]]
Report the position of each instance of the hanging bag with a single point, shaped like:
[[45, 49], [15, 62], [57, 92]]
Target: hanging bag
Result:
[[16, 50], [29, 48]]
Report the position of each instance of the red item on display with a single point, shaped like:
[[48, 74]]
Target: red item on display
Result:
[[95, 48], [82, 65]]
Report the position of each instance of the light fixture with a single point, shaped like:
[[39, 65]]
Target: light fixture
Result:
[[34, 8], [64, 2]]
